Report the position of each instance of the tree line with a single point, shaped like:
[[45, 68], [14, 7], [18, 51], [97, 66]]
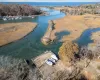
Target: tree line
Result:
[[82, 9], [18, 10]]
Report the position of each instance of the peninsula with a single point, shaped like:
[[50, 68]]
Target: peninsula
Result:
[[11, 32], [76, 25]]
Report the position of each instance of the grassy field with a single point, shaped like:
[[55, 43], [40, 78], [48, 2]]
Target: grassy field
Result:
[[76, 25], [10, 32]]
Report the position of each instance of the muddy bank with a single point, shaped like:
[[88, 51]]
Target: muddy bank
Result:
[[10, 32], [76, 25]]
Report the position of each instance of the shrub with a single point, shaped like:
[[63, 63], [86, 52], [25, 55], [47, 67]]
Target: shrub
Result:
[[17, 69], [67, 52], [85, 53]]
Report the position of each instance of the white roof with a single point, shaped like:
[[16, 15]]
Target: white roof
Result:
[[49, 62], [54, 57]]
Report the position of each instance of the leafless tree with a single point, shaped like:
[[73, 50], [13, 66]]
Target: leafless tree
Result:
[[17, 9]]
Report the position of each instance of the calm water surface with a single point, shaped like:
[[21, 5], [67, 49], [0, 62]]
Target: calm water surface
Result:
[[85, 38], [31, 46], [52, 3]]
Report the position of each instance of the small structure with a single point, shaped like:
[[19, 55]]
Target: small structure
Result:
[[45, 65], [5, 19], [33, 17], [52, 60], [44, 58], [54, 57], [12, 18], [49, 62], [20, 17], [16, 17]]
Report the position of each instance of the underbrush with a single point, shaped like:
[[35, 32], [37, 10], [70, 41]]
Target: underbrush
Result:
[[17, 69]]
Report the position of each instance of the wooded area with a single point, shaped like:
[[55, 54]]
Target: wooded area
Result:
[[18, 10]]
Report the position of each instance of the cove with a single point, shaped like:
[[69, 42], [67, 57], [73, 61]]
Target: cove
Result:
[[85, 38], [30, 46]]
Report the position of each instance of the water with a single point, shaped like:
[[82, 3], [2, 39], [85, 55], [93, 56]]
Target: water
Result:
[[31, 46], [85, 38], [25, 19], [52, 3]]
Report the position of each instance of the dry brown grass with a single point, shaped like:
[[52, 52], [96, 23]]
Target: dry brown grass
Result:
[[17, 69], [95, 35], [10, 32], [76, 25]]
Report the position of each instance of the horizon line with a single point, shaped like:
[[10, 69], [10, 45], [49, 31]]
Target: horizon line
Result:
[[54, 2]]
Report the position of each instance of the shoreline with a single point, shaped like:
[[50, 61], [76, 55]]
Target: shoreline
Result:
[[76, 25], [46, 39], [95, 36], [11, 32]]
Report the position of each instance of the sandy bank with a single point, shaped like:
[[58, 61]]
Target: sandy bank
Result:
[[46, 39], [75, 25], [10, 32]]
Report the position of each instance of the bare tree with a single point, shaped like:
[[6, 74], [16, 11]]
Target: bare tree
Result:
[[16, 9]]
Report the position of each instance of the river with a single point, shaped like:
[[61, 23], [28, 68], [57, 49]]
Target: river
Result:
[[30, 46]]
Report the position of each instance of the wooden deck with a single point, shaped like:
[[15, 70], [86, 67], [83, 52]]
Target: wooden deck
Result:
[[48, 72], [40, 60]]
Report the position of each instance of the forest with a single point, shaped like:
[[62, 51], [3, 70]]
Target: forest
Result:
[[18, 10]]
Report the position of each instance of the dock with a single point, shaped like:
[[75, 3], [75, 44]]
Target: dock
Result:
[[48, 72]]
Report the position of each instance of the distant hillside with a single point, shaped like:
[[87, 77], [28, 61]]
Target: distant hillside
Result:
[[18, 9], [82, 9]]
